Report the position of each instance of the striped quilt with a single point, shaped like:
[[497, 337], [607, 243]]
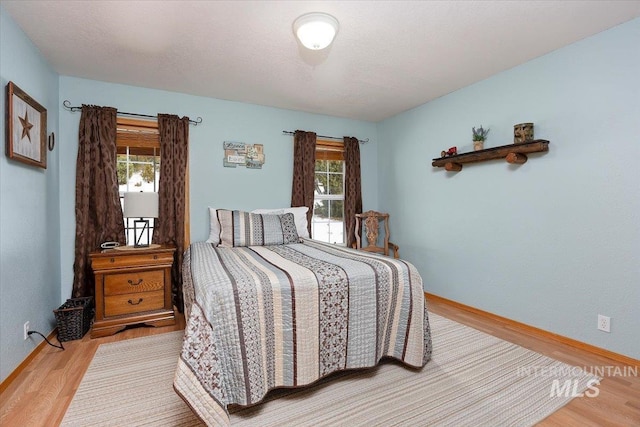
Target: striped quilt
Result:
[[262, 317]]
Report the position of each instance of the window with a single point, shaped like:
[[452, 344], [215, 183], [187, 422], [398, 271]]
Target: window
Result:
[[327, 223], [138, 161]]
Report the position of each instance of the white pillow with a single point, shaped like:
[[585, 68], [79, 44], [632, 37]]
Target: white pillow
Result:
[[299, 215], [214, 227]]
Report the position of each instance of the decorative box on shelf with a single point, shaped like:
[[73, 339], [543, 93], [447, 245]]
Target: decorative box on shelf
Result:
[[132, 287]]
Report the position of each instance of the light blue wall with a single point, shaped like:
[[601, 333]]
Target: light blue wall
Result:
[[29, 209], [211, 183], [551, 243]]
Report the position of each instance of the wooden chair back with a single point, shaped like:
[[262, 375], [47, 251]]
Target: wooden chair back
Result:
[[370, 224]]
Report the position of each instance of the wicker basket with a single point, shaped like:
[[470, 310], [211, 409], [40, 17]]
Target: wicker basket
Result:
[[73, 318]]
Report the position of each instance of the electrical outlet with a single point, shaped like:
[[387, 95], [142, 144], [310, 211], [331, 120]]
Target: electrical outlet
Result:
[[26, 330], [604, 323]]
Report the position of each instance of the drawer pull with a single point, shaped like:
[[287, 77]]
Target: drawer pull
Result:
[[135, 303], [134, 284], [155, 257]]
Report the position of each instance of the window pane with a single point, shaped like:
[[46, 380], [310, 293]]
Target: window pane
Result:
[[122, 169], [148, 174], [335, 182], [335, 166], [321, 209], [321, 165], [327, 224], [320, 220], [336, 232], [321, 184], [337, 210]]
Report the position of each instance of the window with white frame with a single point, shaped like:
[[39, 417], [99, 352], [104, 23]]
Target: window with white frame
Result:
[[327, 223], [138, 164]]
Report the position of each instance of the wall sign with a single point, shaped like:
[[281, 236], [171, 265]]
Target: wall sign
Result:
[[240, 154], [26, 128]]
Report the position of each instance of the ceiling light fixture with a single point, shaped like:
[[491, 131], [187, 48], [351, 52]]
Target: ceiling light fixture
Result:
[[315, 30]]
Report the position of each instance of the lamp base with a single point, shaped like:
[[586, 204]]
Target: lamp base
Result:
[[141, 226]]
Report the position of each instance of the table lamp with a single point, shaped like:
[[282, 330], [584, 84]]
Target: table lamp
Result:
[[141, 205]]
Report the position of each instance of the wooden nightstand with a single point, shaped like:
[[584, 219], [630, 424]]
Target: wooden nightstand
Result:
[[132, 286]]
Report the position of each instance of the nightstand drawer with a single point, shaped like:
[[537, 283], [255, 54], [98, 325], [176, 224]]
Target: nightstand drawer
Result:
[[114, 259], [141, 281], [133, 303]]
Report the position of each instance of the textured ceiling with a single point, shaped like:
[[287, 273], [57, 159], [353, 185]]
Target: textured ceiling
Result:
[[387, 57]]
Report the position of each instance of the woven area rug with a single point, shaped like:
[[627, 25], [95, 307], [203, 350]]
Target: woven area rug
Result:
[[473, 379]]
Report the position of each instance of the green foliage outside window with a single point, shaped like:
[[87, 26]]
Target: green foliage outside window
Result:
[[321, 209], [144, 167]]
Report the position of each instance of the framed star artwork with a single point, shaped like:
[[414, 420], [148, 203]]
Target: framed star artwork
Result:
[[26, 128]]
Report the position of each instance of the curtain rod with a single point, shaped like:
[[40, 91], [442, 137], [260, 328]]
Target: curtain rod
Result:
[[361, 141], [66, 104]]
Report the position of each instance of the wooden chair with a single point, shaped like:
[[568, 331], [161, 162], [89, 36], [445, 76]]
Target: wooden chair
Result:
[[369, 222]]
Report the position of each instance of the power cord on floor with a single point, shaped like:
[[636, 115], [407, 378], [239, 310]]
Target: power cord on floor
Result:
[[45, 338]]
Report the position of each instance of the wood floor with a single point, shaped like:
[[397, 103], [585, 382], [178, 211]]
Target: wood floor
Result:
[[41, 393]]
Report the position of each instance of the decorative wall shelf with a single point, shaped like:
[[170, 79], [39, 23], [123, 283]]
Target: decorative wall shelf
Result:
[[513, 153]]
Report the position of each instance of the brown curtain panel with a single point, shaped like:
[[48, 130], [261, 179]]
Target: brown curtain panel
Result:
[[169, 226], [98, 211], [352, 187], [304, 166]]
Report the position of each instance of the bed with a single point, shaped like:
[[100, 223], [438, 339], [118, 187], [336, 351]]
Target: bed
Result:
[[262, 316]]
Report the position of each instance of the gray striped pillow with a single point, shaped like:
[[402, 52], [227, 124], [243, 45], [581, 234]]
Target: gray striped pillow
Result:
[[238, 228]]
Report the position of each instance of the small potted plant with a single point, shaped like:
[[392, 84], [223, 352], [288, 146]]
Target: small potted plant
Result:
[[479, 135]]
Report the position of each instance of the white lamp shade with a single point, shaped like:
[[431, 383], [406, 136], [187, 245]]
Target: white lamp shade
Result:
[[315, 30], [141, 205]]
